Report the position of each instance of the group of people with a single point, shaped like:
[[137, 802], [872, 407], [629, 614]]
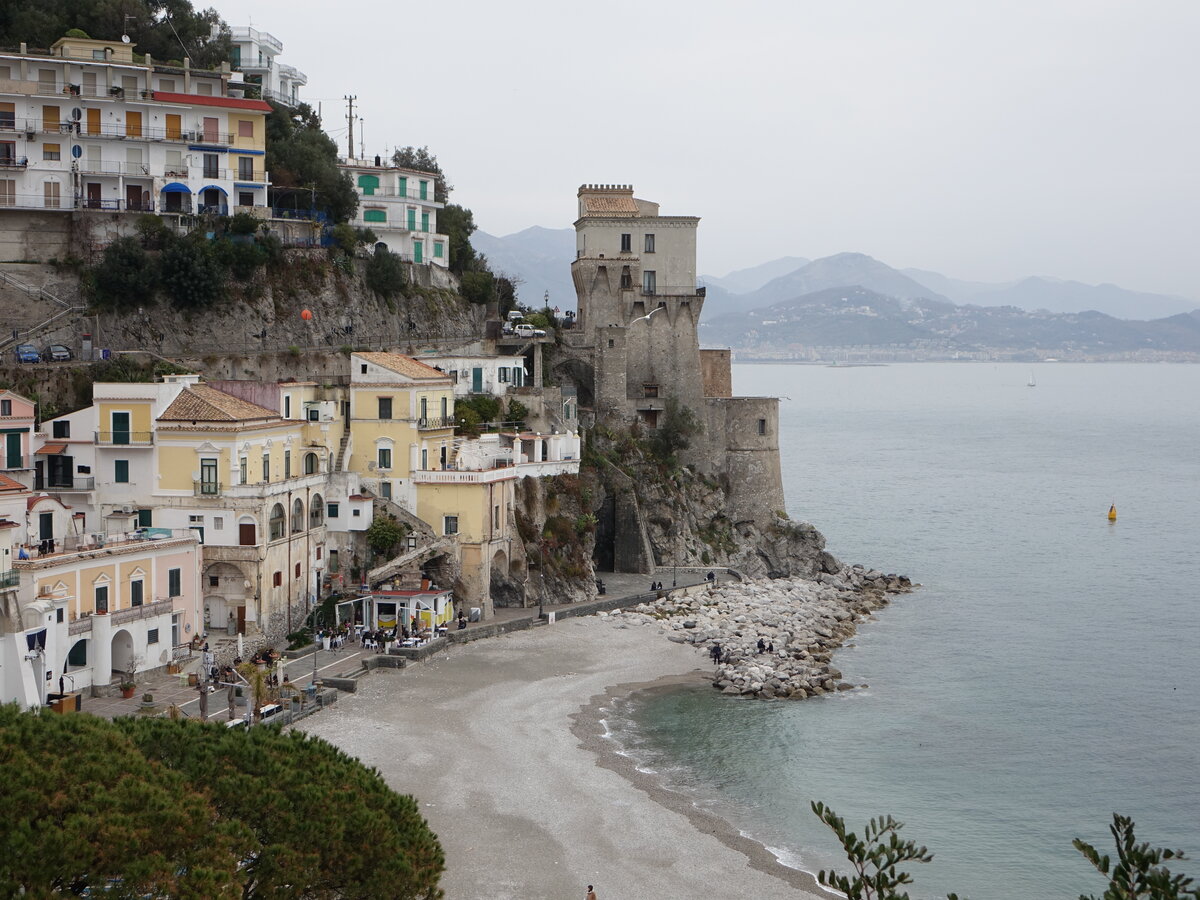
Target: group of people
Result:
[[719, 655], [656, 585]]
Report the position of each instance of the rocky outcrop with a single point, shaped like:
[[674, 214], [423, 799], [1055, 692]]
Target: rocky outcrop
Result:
[[775, 638]]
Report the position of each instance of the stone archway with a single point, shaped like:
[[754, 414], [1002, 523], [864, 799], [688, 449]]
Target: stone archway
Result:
[[123, 656], [503, 588], [226, 592]]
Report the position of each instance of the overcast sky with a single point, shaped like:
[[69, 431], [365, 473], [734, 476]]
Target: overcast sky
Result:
[[984, 141]]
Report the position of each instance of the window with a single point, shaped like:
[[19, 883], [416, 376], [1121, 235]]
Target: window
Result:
[[297, 516], [287, 463], [496, 517], [243, 473], [246, 128], [649, 243], [385, 457], [438, 250], [51, 151], [374, 215], [385, 490], [245, 198], [297, 570], [266, 467], [450, 525], [385, 407], [174, 582], [649, 282], [502, 375], [6, 410], [58, 617], [8, 113], [278, 579], [356, 513], [218, 523], [320, 552], [102, 598], [310, 463], [152, 636], [51, 195], [195, 520], [246, 168], [424, 186], [136, 593], [214, 580], [627, 243], [363, 368], [276, 522], [211, 165], [167, 85], [121, 471], [331, 510], [62, 429], [287, 406], [8, 186], [314, 414], [762, 426], [208, 477]]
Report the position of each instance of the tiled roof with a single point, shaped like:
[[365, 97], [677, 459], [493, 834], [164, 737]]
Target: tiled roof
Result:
[[403, 365], [51, 449], [201, 403], [10, 484], [609, 205]]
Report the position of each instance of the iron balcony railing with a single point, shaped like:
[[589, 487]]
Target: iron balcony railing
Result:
[[670, 290], [123, 438], [207, 488], [432, 422], [9, 579], [71, 483], [111, 204]]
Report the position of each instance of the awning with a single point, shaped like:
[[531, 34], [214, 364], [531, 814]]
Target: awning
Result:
[[176, 188], [51, 450], [213, 187]]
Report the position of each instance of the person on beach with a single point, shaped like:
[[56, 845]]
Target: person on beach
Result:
[[762, 645], [591, 894]]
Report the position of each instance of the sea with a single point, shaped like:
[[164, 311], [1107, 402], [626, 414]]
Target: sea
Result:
[[1046, 673]]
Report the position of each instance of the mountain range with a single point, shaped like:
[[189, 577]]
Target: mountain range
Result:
[[541, 258]]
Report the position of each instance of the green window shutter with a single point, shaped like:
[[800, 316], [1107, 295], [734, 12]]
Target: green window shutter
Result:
[[412, 220], [368, 184], [121, 471], [424, 190], [425, 221], [145, 518], [417, 255], [403, 186], [174, 582], [437, 250], [375, 215]]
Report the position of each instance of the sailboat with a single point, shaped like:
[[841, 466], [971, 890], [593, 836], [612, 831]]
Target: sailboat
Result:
[[1031, 382]]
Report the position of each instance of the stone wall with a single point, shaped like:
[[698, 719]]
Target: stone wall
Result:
[[715, 372]]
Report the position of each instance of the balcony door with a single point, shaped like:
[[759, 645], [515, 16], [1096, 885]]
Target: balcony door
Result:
[[12, 450], [120, 428]]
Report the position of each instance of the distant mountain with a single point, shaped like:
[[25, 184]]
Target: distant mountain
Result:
[[839, 271], [1073, 296], [540, 257], [743, 281], [954, 289], [857, 316]]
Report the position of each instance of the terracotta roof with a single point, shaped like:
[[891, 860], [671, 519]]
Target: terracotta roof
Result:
[[31, 502], [404, 365], [5, 523], [205, 100], [51, 449], [201, 403], [10, 484], [609, 205]]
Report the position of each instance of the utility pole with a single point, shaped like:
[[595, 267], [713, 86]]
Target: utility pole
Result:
[[350, 121]]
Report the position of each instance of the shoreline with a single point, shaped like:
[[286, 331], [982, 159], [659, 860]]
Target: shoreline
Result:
[[588, 725]]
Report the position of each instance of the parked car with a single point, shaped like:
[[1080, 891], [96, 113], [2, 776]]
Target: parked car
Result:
[[27, 353], [57, 353], [526, 330]]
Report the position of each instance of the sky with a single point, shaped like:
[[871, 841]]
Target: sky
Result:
[[986, 141]]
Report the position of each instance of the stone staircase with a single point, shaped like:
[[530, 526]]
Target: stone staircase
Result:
[[340, 463], [61, 312]]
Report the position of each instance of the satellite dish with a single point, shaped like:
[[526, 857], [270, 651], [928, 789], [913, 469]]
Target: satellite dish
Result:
[[124, 39]]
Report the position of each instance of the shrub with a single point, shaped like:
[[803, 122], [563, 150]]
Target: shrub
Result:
[[345, 238], [243, 223], [126, 276], [385, 273], [191, 275], [478, 287]]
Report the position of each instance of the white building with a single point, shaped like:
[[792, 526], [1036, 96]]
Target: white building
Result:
[[482, 374], [254, 54], [88, 127], [397, 204]]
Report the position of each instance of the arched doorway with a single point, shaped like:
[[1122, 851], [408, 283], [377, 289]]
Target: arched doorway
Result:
[[226, 589], [122, 651], [504, 590]]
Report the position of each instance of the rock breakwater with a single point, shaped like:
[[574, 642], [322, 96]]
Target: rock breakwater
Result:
[[772, 638]]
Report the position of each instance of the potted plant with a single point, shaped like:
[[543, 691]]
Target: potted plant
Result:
[[147, 700], [128, 686]]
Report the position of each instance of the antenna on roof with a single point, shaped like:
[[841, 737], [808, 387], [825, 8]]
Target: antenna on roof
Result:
[[125, 28]]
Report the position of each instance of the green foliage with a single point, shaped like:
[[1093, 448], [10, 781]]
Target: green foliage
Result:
[[190, 273], [385, 273], [458, 224], [97, 808], [385, 534], [242, 259], [538, 320], [420, 159], [478, 287], [78, 33], [517, 413], [674, 433], [1137, 873], [874, 858], [302, 160], [152, 24], [153, 231], [345, 238], [243, 224], [126, 276], [476, 412], [320, 821]]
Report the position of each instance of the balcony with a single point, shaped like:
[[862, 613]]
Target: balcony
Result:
[[14, 162], [661, 290], [124, 438], [160, 607], [207, 488], [450, 476], [102, 541], [434, 423], [10, 579], [69, 484]]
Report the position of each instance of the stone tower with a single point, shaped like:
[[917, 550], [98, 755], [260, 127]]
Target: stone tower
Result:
[[638, 312]]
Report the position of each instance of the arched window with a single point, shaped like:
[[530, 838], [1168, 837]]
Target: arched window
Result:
[[276, 522], [316, 511], [297, 516], [311, 464]]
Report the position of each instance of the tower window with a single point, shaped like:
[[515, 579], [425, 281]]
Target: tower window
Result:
[[626, 243], [762, 426], [649, 243]]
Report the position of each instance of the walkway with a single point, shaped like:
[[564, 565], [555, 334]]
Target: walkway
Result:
[[174, 689]]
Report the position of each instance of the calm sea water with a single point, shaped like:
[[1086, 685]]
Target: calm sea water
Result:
[[1043, 677]]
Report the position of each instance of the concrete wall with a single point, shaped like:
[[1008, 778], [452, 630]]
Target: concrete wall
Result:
[[35, 236]]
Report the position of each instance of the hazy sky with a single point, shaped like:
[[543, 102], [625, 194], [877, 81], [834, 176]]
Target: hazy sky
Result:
[[986, 141]]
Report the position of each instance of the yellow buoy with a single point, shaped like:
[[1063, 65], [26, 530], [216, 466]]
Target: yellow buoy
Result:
[[1112, 513]]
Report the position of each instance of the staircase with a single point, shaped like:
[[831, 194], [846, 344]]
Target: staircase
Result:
[[340, 464], [40, 295], [420, 554]]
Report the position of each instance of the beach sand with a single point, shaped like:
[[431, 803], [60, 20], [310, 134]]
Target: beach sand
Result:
[[501, 742]]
